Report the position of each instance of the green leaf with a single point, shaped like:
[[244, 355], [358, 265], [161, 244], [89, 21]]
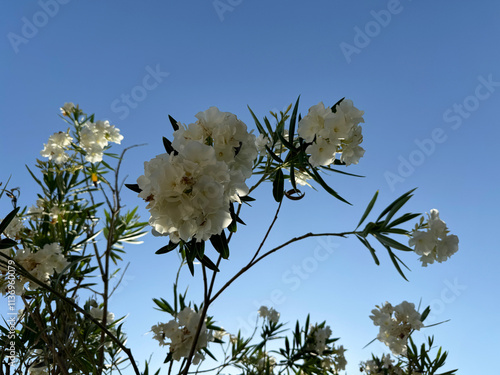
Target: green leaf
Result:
[[334, 107], [341, 172], [164, 305], [7, 243], [5, 222], [368, 209], [219, 242], [389, 207], [279, 186], [395, 259], [426, 312], [173, 122], [402, 219], [273, 155], [167, 248], [293, 119], [168, 146], [390, 242], [323, 184], [247, 198], [207, 263], [134, 187], [257, 123], [365, 242]]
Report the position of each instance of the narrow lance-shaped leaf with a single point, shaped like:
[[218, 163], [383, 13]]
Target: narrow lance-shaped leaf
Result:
[[208, 263], [279, 186], [394, 260], [293, 119], [168, 146], [257, 123], [392, 243], [219, 242], [368, 209], [5, 222], [323, 184], [365, 242], [134, 187], [273, 155], [173, 122], [389, 207], [167, 248]]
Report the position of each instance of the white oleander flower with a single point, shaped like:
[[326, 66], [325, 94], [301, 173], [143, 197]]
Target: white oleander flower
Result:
[[189, 191], [67, 109], [36, 212], [434, 244], [320, 336], [330, 133], [14, 228], [56, 146], [261, 142], [396, 324], [98, 314], [181, 334], [42, 264], [269, 313], [231, 141], [95, 137]]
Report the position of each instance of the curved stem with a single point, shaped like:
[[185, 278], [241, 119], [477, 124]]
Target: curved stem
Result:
[[255, 261]]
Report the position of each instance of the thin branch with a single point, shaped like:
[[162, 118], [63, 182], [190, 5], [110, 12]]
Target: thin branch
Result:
[[254, 262]]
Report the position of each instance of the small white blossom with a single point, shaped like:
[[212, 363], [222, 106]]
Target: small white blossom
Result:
[[271, 314], [67, 109], [98, 314]]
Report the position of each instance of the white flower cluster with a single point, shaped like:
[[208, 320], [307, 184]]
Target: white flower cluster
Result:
[[14, 228], [386, 366], [98, 314], [333, 133], [55, 148], [189, 191], [41, 264], [396, 324], [181, 332], [94, 138], [265, 361], [434, 244], [318, 337], [270, 314]]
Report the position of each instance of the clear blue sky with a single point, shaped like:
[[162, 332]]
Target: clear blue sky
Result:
[[426, 74]]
